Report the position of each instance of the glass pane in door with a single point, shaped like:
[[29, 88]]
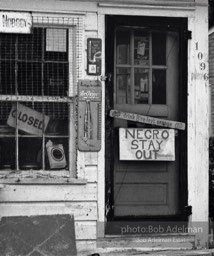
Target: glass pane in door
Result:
[[141, 86], [123, 47], [158, 48], [123, 86], [141, 48], [159, 86]]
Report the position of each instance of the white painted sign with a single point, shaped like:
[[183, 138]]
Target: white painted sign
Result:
[[147, 119], [147, 144], [15, 22], [28, 120]]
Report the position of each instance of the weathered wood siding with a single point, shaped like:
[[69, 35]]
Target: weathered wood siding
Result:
[[86, 201], [77, 199], [211, 79]]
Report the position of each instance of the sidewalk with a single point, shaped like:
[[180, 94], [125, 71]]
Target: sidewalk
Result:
[[138, 252]]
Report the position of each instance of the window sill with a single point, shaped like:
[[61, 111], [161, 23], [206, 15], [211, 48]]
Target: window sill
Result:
[[42, 181], [39, 178]]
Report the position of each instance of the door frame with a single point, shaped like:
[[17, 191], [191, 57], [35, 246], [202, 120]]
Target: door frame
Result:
[[178, 24]]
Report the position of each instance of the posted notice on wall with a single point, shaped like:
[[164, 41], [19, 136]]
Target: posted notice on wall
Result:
[[27, 119], [147, 144], [15, 22]]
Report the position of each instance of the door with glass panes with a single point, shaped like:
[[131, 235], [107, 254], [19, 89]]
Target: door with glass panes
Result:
[[145, 81]]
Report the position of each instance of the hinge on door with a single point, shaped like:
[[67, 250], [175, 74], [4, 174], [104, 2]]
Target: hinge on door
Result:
[[188, 210], [187, 34], [106, 78]]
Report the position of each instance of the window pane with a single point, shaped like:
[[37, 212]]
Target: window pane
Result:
[[123, 47], [158, 49], [7, 46], [123, 85], [141, 48], [7, 153], [30, 45], [58, 114], [5, 129], [29, 78], [30, 153], [56, 153], [56, 44], [7, 77], [159, 86], [56, 79], [141, 86]]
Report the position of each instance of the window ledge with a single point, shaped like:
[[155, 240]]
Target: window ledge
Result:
[[46, 180]]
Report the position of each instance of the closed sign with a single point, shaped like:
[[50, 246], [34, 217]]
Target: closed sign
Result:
[[147, 144], [28, 120]]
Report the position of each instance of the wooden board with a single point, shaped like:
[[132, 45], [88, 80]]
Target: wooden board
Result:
[[35, 193], [147, 119], [84, 211]]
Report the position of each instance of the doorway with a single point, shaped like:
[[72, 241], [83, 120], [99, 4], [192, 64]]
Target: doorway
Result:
[[147, 75]]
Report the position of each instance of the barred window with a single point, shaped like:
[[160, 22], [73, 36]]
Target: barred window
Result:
[[34, 106]]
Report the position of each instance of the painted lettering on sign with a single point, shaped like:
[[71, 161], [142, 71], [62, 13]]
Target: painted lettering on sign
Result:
[[28, 120], [15, 22], [89, 115], [201, 74], [147, 119], [90, 94], [147, 144]]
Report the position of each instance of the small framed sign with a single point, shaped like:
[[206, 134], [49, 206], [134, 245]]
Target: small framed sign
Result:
[[94, 56], [89, 115], [15, 22]]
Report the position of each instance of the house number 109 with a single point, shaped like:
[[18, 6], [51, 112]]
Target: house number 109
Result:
[[202, 65]]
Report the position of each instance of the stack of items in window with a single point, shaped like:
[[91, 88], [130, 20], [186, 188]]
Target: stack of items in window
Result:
[[34, 130]]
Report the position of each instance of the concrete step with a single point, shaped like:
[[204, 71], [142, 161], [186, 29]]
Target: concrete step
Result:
[[142, 252]]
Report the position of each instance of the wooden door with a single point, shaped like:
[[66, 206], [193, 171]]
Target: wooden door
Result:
[[145, 81]]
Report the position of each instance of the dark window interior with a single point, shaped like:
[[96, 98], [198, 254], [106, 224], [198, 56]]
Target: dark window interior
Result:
[[33, 65]]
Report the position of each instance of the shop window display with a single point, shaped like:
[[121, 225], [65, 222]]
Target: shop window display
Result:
[[34, 124]]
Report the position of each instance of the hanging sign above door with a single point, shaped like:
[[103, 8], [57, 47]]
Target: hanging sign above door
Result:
[[15, 22], [147, 144], [147, 120]]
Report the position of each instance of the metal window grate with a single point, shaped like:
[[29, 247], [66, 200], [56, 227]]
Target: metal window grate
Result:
[[39, 70], [37, 64]]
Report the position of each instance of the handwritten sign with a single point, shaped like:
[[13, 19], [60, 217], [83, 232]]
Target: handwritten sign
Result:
[[147, 144], [15, 22], [147, 120], [28, 120]]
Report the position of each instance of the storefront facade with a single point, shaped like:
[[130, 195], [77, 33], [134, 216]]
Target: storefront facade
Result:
[[104, 114]]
